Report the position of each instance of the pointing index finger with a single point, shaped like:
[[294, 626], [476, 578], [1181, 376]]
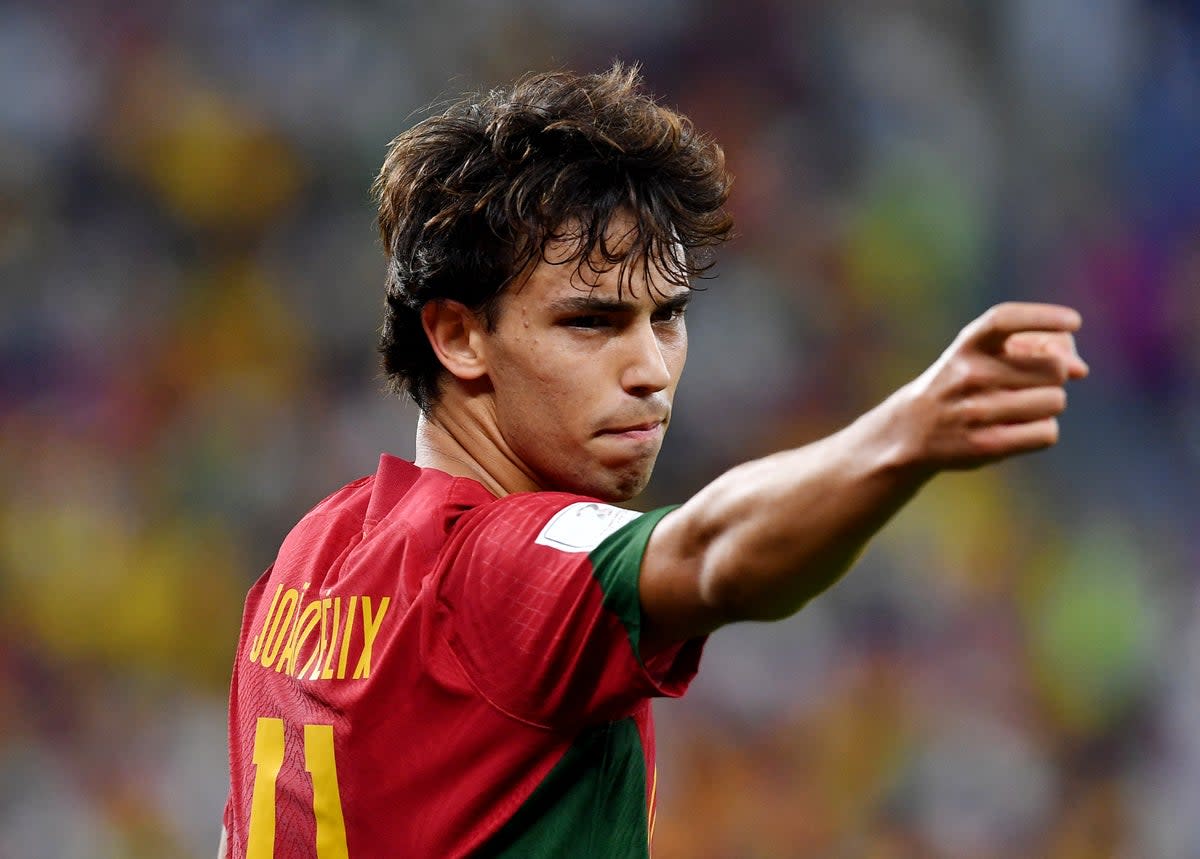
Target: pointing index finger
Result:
[[1002, 321]]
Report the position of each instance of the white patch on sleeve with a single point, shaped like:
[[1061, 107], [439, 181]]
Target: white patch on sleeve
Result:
[[582, 526]]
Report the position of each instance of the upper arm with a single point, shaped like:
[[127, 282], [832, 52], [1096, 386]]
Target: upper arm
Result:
[[677, 601]]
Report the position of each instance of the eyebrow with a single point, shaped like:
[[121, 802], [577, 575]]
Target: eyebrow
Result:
[[592, 304]]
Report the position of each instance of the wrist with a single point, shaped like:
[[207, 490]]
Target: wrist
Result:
[[889, 438]]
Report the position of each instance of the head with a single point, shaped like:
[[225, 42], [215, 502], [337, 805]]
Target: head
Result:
[[510, 209]]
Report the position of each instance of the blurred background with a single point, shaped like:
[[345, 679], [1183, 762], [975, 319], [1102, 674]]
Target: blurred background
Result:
[[190, 287]]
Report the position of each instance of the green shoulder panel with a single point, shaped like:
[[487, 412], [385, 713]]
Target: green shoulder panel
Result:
[[617, 563], [591, 804]]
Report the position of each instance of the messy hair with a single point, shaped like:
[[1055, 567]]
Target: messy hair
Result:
[[469, 200]]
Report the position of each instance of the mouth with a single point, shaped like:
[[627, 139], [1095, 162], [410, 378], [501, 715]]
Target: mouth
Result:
[[644, 431]]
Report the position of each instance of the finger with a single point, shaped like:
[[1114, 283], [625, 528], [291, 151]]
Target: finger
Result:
[[1077, 368], [1035, 344], [995, 326], [1009, 439], [1057, 345], [1034, 371], [1014, 407], [984, 373]]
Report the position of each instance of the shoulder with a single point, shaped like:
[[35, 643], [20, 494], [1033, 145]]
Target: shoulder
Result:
[[352, 495], [560, 521]]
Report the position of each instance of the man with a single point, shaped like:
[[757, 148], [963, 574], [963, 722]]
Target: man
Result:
[[456, 657]]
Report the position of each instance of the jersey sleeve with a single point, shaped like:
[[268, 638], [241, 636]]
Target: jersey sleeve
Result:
[[538, 601]]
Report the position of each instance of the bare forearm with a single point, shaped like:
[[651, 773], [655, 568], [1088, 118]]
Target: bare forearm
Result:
[[767, 536], [778, 531]]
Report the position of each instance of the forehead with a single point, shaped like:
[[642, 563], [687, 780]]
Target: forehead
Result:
[[551, 285], [562, 272]]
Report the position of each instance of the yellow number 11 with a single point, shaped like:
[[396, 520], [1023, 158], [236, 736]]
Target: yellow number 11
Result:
[[327, 802]]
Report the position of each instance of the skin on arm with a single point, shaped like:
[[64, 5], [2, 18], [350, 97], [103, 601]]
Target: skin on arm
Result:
[[767, 536]]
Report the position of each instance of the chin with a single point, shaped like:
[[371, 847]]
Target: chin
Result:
[[621, 486], [610, 485], [618, 494]]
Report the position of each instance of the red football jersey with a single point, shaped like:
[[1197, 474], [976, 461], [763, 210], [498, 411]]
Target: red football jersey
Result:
[[427, 671]]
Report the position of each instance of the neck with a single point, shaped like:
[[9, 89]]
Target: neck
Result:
[[457, 442]]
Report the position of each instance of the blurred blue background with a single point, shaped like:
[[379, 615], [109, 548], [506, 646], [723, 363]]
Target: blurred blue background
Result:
[[190, 286]]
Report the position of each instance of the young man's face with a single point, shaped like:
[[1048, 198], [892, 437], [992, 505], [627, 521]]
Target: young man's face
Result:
[[583, 377]]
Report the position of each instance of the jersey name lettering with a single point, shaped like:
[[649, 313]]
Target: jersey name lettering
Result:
[[331, 638]]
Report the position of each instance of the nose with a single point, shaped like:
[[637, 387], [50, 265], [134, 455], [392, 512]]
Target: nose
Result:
[[646, 370]]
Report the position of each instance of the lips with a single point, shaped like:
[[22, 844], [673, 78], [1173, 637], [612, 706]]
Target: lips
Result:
[[645, 426], [641, 428]]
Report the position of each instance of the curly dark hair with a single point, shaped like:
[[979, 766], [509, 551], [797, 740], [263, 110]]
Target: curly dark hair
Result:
[[469, 199]]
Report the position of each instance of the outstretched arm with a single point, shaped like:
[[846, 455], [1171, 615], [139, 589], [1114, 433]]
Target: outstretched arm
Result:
[[767, 536]]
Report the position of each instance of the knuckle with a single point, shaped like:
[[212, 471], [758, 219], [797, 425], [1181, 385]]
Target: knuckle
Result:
[[965, 374], [971, 331], [970, 412]]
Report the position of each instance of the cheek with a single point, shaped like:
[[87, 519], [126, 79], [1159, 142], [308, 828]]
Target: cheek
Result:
[[675, 356], [546, 429], [680, 356], [537, 393]]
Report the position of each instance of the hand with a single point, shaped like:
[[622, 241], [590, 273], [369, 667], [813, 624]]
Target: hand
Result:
[[996, 392]]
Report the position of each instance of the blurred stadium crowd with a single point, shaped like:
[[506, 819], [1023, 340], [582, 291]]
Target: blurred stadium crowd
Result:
[[190, 285]]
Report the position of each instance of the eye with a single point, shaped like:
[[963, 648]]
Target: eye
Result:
[[669, 314], [588, 322]]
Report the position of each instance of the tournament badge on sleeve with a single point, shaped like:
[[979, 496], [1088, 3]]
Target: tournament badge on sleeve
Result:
[[582, 526]]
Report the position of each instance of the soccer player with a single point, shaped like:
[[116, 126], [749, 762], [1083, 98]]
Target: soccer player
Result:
[[456, 657]]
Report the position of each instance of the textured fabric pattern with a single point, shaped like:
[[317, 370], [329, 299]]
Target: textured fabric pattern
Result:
[[432, 664], [593, 803]]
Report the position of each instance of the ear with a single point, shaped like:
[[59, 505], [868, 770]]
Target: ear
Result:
[[456, 335]]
